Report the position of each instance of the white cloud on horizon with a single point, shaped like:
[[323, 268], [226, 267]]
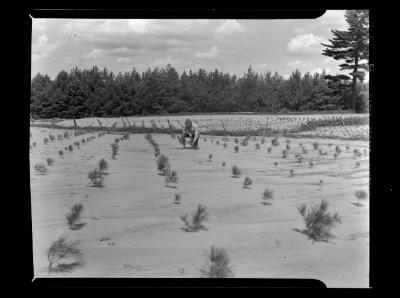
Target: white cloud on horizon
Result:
[[305, 43], [229, 26]]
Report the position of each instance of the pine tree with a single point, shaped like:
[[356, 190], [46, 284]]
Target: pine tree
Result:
[[352, 46]]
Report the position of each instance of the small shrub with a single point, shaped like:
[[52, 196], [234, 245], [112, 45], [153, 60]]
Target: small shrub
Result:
[[210, 157], [224, 164], [34, 144], [198, 217], [217, 265], [225, 145], [83, 141], [66, 148], [267, 196], [217, 142], [304, 150], [236, 148], [126, 136], [311, 164], [59, 138], [116, 140], [70, 148], [63, 250], [284, 154], [247, 181], [50, 161], [236, 141], [96, 178], [74, 216], [262, 141], [41, 169], [52, 138], [103, 165], [45, 141], [318, 221], [315, 145], [236, 171], [287, 147], [205, 140], [275, 163], [257, 146], [357, 165], [67, 135], [291, 172], [269, 149], [212, 140], [60, 153], [338, 150], [347, 147]]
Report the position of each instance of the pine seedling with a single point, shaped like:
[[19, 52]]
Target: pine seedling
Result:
[[198, 217], [247, 181], [41, 169], [267, 196], [63, 250], [236, 171], [96, 178], [50, 161], [103, 165], [177, 199], [172, 177], [318, 221], [74, 216], [217, 265]]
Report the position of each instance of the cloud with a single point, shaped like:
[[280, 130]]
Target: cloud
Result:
[[229, 26], [42, 48], [95, 54], [214, 52], [334, 19], [305, 43]]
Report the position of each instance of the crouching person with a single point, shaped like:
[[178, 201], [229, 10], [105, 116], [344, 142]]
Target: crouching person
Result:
[[191, 131]]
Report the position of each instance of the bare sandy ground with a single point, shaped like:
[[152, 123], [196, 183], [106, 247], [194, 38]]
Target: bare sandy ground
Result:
[[133, 227], [213, 122]]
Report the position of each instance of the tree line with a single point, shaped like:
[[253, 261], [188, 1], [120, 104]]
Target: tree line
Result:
[[101, 93]]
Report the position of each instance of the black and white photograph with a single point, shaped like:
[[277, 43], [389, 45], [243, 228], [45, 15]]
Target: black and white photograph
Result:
[[201, 148]]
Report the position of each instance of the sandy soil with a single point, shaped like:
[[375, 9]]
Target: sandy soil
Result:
[[133, 227], [213, 122]]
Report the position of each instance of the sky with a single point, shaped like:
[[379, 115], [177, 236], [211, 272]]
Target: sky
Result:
[[225, 44]]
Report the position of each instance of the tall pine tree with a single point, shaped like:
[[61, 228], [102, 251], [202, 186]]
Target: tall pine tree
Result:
[[352, 46]]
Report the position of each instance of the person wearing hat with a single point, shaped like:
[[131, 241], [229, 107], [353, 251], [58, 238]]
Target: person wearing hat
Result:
[[191, 131]]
